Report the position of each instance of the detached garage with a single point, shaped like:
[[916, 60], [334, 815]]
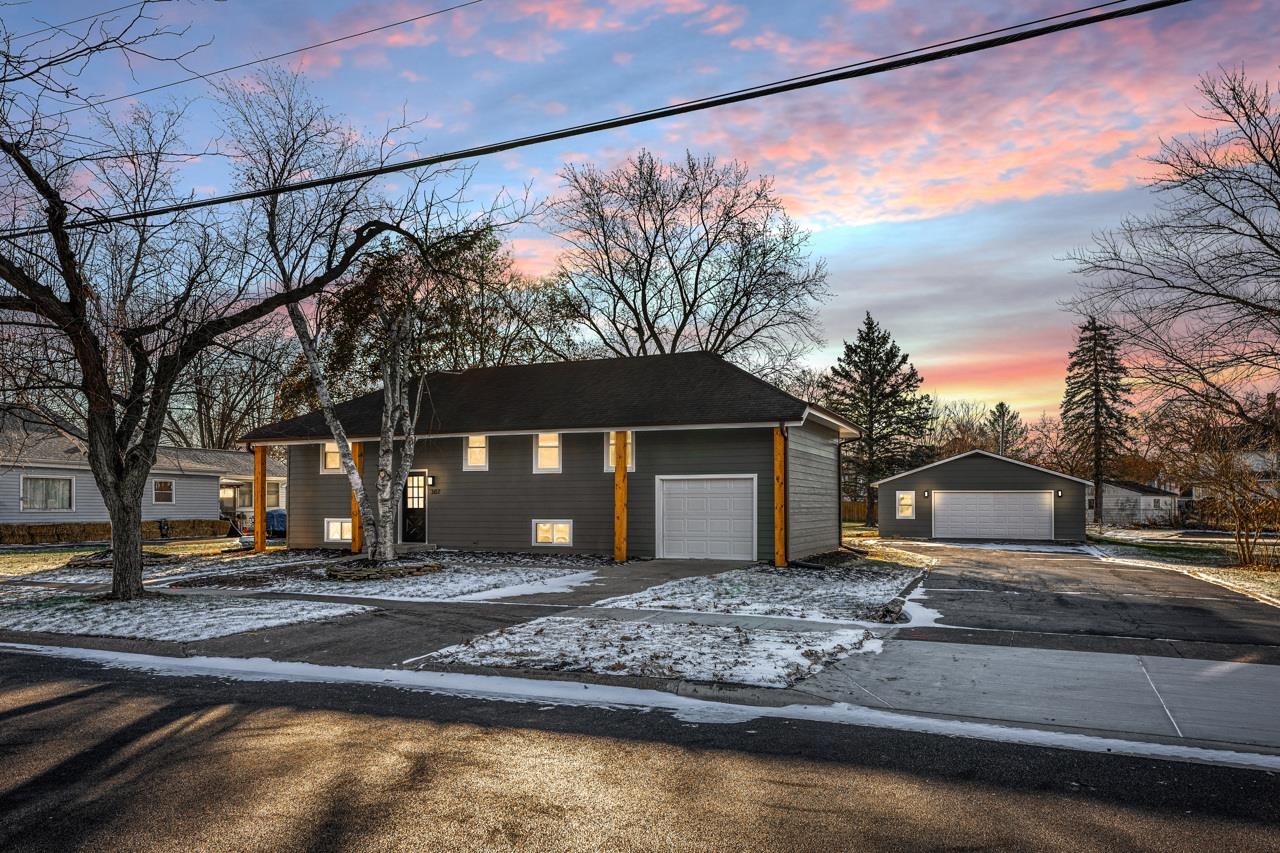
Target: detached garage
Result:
[[980, 495]]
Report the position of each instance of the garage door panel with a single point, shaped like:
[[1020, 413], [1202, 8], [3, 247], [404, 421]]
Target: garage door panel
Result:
[[708, 517], [993, 515]]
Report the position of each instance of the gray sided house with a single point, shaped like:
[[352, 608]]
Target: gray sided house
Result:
[[980, 495], [520, 458], [1125, 502], [47, 491]]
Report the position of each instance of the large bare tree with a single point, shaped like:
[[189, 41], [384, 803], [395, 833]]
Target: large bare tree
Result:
[[694, 255], [1192, 289], [112, 316]]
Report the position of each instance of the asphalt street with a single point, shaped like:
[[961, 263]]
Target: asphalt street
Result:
[[110, 759]]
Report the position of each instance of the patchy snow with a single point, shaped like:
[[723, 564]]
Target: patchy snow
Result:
[[12, 593], [178, 619], [760, 657], [452, 583], [192, 567], [615, 697], [842, 594], [1262, 584]]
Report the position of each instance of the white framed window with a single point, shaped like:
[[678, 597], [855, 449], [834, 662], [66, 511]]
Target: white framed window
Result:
[[475, 453], [48, 494], [273, 494], [330, 459], [546, 453], [905, 505], [337, 530], [553, 531], [162, 491], [611, 448]]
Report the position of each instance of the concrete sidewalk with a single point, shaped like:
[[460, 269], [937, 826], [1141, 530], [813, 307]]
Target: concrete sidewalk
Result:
[[1164, 697]]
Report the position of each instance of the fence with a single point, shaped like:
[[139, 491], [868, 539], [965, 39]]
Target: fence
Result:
[[853, 511]]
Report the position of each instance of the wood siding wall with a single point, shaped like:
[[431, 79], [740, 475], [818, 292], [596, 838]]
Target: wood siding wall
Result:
[[813, 491]]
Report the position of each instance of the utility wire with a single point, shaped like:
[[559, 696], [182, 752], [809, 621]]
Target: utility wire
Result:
[[273, 57], [864, 69], [79, 20]]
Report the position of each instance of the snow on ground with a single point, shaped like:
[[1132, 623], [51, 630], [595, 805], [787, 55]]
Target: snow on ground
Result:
[[179, 619], [197, 566], [1261, 584], [759, 657], [452, 583], [842, 594], [550, 692]]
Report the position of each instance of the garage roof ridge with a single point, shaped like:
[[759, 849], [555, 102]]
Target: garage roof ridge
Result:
[[981, 453]]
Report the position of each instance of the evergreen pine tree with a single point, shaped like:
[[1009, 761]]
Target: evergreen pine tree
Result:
[[877, 388], [1008, 432], [1094, 416]]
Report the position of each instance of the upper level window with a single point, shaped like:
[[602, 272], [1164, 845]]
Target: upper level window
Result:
[[162, 491], [48, 494], [611, 450], [330, 459], [906, 505], [546, 453], [476, 453]]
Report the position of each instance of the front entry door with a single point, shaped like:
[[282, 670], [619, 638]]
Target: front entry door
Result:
[[413, 510]]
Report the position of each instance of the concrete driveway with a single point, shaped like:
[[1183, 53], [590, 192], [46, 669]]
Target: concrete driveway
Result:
[[1078, 601]]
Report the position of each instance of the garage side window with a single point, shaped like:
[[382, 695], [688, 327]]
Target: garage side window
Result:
[[906, 505]]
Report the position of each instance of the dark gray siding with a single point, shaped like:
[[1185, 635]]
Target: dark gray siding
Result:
[[980, 473], [698, 451], [813, 491], [495, 508], [195, 497]]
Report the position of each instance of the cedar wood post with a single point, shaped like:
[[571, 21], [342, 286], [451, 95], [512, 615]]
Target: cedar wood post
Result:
[[357, 520], [620, 496], [259, 498], [779, 496]]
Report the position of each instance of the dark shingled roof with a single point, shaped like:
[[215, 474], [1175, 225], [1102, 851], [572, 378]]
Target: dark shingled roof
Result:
[[691, 388]]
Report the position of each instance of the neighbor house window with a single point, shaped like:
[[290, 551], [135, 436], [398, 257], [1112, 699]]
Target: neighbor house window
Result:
[[273, 495], [162, 491], [244, 497], [48, 494], [227, 498], [337, 530], [906, 505], [611, 450], [476, 453], [552, 532], [546, 453], [330, 459]]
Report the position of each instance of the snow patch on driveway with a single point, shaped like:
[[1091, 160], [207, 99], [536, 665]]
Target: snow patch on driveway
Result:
[[758, 657], [842, 594], [175, 619]]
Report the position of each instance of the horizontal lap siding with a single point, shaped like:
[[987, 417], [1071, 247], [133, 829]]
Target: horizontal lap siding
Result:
[[195, 497], [313, 496], [980, 473], [813, 491], [709, 451]]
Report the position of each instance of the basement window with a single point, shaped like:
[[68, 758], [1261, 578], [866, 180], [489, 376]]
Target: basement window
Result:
[[906, 505], [337, 530], [546, 453], [162, 491], [552, 531], [476, 453]]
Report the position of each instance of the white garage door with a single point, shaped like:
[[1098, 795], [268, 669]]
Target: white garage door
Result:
[[708, 518], [993, 515]]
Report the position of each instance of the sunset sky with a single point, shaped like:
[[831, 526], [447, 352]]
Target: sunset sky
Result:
[[943, 197]]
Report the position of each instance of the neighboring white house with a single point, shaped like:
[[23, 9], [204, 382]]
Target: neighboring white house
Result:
[[1126, 503], [46, 487]]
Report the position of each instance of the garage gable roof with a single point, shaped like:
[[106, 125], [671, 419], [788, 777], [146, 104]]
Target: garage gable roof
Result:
[[996, 456]]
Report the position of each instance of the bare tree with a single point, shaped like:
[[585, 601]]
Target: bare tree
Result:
[[1049, 447], [112, 316], [695, 255], [957, 427], [1190, 288]]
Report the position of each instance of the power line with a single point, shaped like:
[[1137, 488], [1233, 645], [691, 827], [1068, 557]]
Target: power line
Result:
[[921, 56], [272, 58], [85, 18]]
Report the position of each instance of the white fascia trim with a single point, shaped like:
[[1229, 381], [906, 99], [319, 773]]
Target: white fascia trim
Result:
[[282, 442], [843, 429], [980, 453]]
